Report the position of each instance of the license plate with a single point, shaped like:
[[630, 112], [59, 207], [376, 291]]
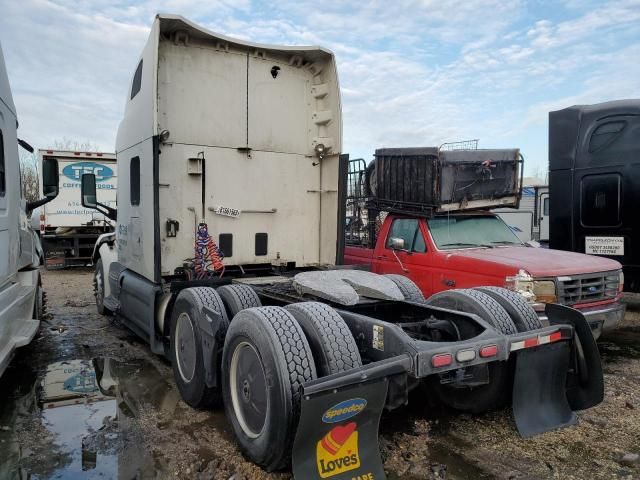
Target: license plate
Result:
[[604, 245], [227, 212]]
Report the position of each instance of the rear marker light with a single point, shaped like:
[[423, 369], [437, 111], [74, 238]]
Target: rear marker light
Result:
[[489, 351], [465, 355], [441, 360]]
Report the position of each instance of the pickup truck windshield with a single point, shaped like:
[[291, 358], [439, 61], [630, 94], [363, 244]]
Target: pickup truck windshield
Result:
[[457, 231]]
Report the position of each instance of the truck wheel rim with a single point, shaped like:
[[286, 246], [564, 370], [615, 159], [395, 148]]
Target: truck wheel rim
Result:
[[248, 386], [185, 347]]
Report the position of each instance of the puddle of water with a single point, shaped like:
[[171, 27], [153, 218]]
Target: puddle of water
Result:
[[78, 421]]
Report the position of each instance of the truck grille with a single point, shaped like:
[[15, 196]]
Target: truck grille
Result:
[[588, 288]]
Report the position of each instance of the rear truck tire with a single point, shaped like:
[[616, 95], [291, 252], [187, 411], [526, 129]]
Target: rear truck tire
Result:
[[187, 358], [98, 288], [407, 286], [479, 303], [523, 315], [497, 392], [332, 344], [237, 297], [266, 361]]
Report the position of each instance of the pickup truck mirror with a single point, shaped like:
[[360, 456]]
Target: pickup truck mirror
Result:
[[396, 243], [50, 180], [88, 191]]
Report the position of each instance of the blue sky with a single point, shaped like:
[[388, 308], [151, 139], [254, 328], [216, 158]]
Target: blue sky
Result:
[[412, 72]]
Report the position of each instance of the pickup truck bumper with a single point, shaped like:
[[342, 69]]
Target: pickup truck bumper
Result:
[[601, 318]]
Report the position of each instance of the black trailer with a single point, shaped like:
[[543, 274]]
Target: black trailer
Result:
[[594, 182]]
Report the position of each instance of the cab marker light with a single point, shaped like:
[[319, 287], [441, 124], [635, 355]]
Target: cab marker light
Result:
[[489, 351], [465, 355], [441, 360]]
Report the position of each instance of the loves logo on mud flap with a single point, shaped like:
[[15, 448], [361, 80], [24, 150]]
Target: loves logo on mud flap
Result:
[[337, 451]]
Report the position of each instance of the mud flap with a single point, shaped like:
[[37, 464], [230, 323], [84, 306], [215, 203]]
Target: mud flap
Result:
[[585, 382], [337, 435], [539, 390]]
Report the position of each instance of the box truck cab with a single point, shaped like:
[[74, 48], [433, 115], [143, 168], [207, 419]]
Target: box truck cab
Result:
[[20, 251]]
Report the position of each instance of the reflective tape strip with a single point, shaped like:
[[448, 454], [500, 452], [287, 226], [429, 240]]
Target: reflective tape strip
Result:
[[536, 341]]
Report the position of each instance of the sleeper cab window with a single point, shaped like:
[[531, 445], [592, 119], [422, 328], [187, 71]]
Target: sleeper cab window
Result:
[[134, 181], [137, 81]]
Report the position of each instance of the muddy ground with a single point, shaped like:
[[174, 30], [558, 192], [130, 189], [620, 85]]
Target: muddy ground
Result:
[[140, 428]]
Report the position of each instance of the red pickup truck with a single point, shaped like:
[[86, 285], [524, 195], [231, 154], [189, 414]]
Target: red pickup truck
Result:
[[464, 250]]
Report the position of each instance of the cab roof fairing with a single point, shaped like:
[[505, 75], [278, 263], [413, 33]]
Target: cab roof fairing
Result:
[[5, 88], [165, 23]]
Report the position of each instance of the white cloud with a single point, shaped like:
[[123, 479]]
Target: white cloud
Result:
[[413, 72]]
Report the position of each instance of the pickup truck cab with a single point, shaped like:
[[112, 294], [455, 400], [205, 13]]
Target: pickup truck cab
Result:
[[471, 249]]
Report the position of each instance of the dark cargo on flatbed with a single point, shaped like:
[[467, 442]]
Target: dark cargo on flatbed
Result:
[[445, 180]]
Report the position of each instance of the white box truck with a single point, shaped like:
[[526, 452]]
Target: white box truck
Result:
[[21, 297], [224, 255], [68, 230]]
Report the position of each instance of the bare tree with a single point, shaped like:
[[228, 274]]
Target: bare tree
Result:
[[74, 145]]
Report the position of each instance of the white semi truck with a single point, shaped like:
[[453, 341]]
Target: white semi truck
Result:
[[232, 191], [21, 297], [68, 230]]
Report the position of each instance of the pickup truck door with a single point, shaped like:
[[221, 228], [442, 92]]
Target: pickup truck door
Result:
[[414, 261]]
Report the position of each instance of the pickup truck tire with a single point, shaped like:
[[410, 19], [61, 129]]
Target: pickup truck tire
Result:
[[523, 315], [266, 361], [407, 286], [238, 297], [334, 348], [186, 353], [98, 288], [496, 392], [479, 303]]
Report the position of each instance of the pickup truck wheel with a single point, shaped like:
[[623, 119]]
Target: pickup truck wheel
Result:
[[407, 286], [523, 315], [98, 288], [187, 357], [266, 361], [334, 348], [238, 297], [496, 392]]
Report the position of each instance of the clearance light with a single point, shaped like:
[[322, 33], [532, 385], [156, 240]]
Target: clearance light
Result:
[[442, 360], [489, 351], [465, 355]]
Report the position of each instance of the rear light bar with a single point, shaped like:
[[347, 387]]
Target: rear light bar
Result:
[[441, 360], [536, 341], [489, 351]]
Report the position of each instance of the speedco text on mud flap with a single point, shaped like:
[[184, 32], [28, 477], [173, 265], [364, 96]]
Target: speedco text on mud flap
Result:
[[344, 410]]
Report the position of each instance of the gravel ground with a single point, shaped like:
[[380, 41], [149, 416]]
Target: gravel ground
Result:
[[153, 434]]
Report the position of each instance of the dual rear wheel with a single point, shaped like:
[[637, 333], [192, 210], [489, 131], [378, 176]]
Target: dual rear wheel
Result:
[[268, 354], [507, 312]]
